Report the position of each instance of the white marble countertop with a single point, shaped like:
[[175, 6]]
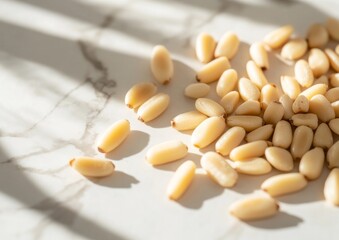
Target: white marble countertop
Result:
[[65, 67]]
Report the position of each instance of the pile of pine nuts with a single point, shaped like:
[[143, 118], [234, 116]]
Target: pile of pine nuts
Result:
[[256, 126]]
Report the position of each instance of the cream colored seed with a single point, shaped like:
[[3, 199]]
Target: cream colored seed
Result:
[[188, 120], [229, 140], [248, 150], [332, 25], [300, 104], [294, 49], [273, 113], [322, 108], [208, 131], [259, 55], [290, 86], [139, 93], [218, 169], [323, 137], [248, 89], [287, 103], [181, 180], [311, 164], [282, 136], [317, 36], [261, 133], [227, 82], [166, 152], [306, 119], [92, 167], [227, 46], [332, 155], [229, 101], [161, 64], [153, 107], [249, 123], [321, 80], [209, 107], [204, 47], [332, 95], [303, 73], [213, 70], [334, 59], [279, 37], [335, 106], [250, 107], [284, 184], [253, 166], [334, 80], [254, 208], [197, 90], [331, 188], [279, 158], [318, 62], [334, 126], [301, 142], [255, 74], [314, 90], [269, 93], [113, 136]]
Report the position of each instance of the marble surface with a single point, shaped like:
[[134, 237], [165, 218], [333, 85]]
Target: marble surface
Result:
[[64, 69]]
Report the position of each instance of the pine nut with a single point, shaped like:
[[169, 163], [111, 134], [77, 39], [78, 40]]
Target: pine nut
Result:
[[218, 169], [314, 90], [249, 107], [249, 123], [301, 142], [303, 73], [335, 106], [332, 95], [334, 126], [269, 93], [261, 133], [208, 131], [331, 188], [311, 164], [332, 25], [306, 119], [290, 86], [332, 155], [318, 62], [248, 89], [249, 150], [197, 90], [323, 137], [255, 74], [229, 140], [92, 167], [284, 184], [227, 82], [166, 152], [209, 107], [113, 136], [279, 158], [334, 59], [153, 107], [317, 36], [282, 136], [181, 180], [294, 49], [279, 37], [254, 166], [259, 55], [273, 113], [300, 104], [213, 70], [188, 120], [334, 80], [229, 101], [161, 64], [204, 47], [321, 80], [322, 108], [287, 103], [227, 46], [139, 93]]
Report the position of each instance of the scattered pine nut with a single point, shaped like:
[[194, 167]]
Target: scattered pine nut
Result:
[[301, 142], [227, 82], [334, 59], [248, 150], [197, 90], [213, 70], [209, 107], [227, 46], [323, 137], [259, 55], [283, 135], [261, 133], [317, 36], [279, 158], [273, 113], [331, 188], [303, 73], [153, 107], [269, 93], [314, 90], [229, 140], [300, 104], [139, 93], [253, 166], [92, 167], [290, 86], [188, 120], [332, 155], [278, 37], [322, 108], [161, 64], [318, 62], [230, 101], [204, 47], [256, 74], [249, 123], [294, 49], [250, 107], [305, 119], [248, 90], [311, 164]]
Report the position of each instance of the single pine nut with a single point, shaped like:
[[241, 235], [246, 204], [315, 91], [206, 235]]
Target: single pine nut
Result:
[[335, 106], [321, 80], [273, 113], [249, 123], [229, 140], [209, 107], [92, 167], [314, 90], [334, 59], [303, 73], [255, 74], [259, 55], [254, 208], [139, 93], [261, 133], [204, 47], [332, 25], [181, 180], [227, 46], [248, 89], [332, 95], [253, 166], [249, 150], [301, 142], [334, 126], [153, 107], [294, 49], [284, 184], [197, 90], [161, 64], [306, 119], [227, 82], [250, 107], [279, 158], [290, 86], [287, 103], [334, 80], [318, 62], [269, 93], [113, 136], [166, 152], [323, 137], [311, 164], [218, 169], [229, 101], [322, 108], [188, 120], [208, 131], [332, 155], [317, 36], [301, 104], [213, 70], [331, 188], [282, 136], [279, 37]]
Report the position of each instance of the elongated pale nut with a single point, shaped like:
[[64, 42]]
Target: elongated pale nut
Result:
[[229, 101], [279, 158], [218, 169], [188, 120], [314, 90], [332, 26], [301, 104], [253, 166], [248, 90], [287, 103], [227, 82], [284, 184], [334, 80], [139, 93], [290, 86], [261, 133], [227, 46], [331, 188], [321, 80], [322, 108], [305, 119], [204, 47], [153, 107], [317, 36], [318, 62], [213, 70], [273, 113], [279, 37], [208, 131], [294, 49], [161, 64], [209, 107], [197, 90], [255, 74], [181, 180], [312, 163], [334, 59], [335, 106], [249, 150], [250, 107], [303, 73], [229, 140], [113, 136], [249, 123], [332, 95], [323, 137], [282, 136], [332, 156], [166, 152], [334, 126], [92, 167], [259, 55], [269, 93], [301, 142]]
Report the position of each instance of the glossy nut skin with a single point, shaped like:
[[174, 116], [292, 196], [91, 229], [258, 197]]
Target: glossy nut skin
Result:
[[332, 156], [227, 82], [282, 136], [290, 86], [320, 106], [331, 188], [273, 113], [153, 107], [294, 49], [269, 93], [334, 59], [253, 166], [204, 47], [230, 101], [318, 62], [311, 164], [256, 74], [227, 46], [229, 140], [250, 107], [248, 90], [323, 137], [278, 37], [302, 141], [188, 120], [248, 150], [261, 133], [212, 71], [209, 107], [161, 64], [249, 123], [92, 167], [287, 103], [305, 119], [303, 73], [334, 125], [279, 158], [139, 93], [316, 89], [259, 55], [197, 90]]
